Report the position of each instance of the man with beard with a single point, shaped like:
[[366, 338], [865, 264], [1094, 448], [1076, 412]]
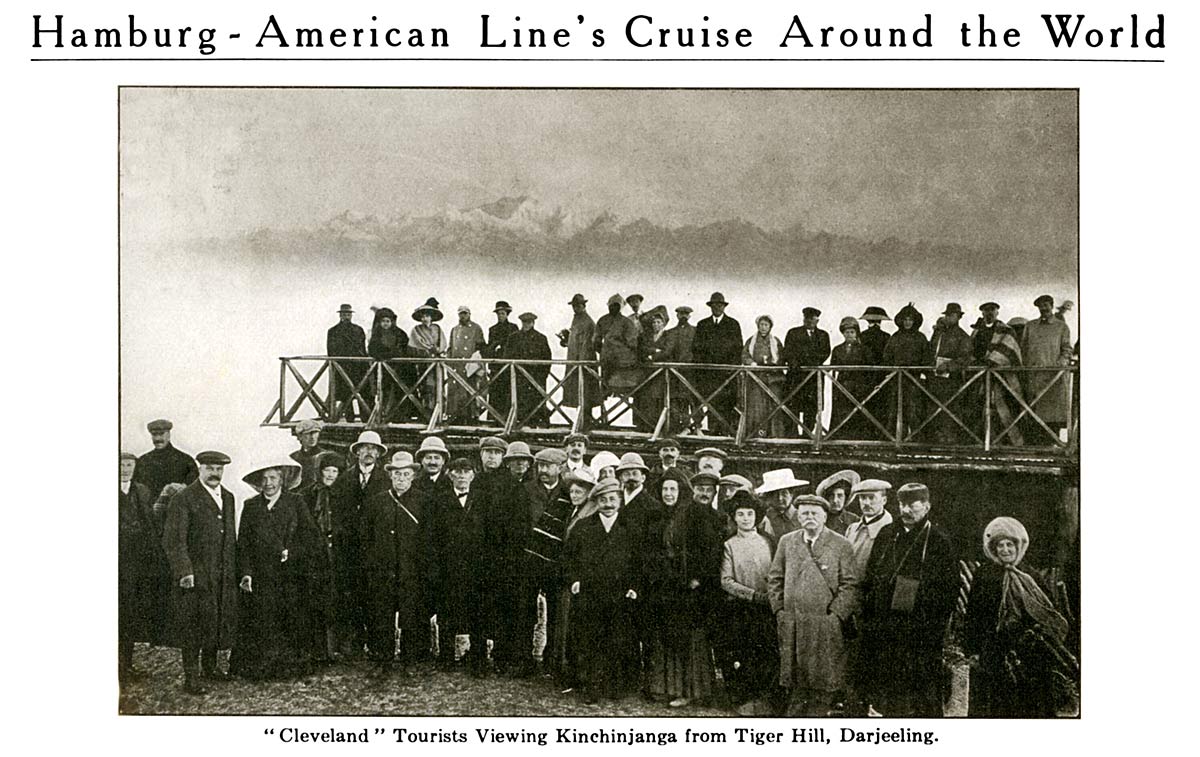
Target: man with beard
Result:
[[164, 464], [138, 555], [499, 394], [347, 339], [308, 433], [836, 491], [270, 546], [396, 570], [603, 572], [530, 344], [458, 539], [803, 348], [779, 488], [550, 507], [347, 501], [200, 539], [908, 593], [718, 341]]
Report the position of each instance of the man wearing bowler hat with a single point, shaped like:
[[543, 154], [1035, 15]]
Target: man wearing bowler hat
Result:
[[951, 352], [530, 344], [804, 347], [580, 343], [718, 341], [199, 538], [498, 392], [347, 339], [164, 464]]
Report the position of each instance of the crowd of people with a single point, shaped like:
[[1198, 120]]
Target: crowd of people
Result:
[[629, 347], [640, 579]]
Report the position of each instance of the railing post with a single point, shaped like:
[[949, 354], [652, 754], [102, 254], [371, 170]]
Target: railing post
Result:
[[818, 422], [514, 410], [987, 410], [329, 398], [667, 398], [380, 410], [740, 433], [899, 406], [282, 387]]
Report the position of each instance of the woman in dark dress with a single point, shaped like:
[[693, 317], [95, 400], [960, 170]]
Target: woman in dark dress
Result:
[[389, 342], [857, 383], [1015, 638]]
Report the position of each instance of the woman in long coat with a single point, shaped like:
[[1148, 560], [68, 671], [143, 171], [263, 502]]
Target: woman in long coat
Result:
[[1021, 667], [270, 628], [139, 550], [664, 607], [389, 342], [812, 587], [908, 347], [858, 383], [657, 346], [428, 337], [764, 348]]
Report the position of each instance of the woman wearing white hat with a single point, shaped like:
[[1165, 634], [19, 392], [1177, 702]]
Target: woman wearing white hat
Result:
[[270, 546]]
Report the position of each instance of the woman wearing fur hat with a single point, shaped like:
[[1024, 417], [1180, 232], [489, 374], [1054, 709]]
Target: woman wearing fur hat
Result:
[[1014, 634]]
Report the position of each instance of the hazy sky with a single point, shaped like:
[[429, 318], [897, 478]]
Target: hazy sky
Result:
[[978, 168]]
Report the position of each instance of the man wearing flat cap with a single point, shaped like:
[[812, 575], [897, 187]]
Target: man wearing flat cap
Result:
[[951, 352], [498, 391], [908, 591], [199, 538], [804, 347], [580, 341], [718, 341], [636, 316], [396, 570], [812, 587], [575, 446], [995, 345], [308, 433], [139, 554], [1046, 343], [164, 464], [530, 344], [276, 536], [549, 510], [348, 497], [617, 342], [347, 339], [466, 341]]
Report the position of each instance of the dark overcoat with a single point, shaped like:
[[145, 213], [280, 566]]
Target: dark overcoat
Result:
[[347, 501], [348, 340], [507, 527], [200, 540], [901, 651], [269, 623], [498, 393], [139, 553], [858, 384], [530, 345], [308, 460], [458, 543], [396, 559], [719, 344], [617, 343], [160, 467]]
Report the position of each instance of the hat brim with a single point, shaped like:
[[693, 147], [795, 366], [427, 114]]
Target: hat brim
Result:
[[411, 466], [293, 474], [437, 314], [354, 447], [423, 452], [795, 483]]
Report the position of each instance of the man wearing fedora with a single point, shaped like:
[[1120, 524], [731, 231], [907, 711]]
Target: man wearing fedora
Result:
[[466, 341], [272, 543], [498, 395], [1046, 343], [580, 341], [875, 340], [308, 433], [396, 570], [718, 341], [779, 488], [803, 348], [347, 500], [199, 538], [347, 339], [164, 464], [530, 344], [951, 352]]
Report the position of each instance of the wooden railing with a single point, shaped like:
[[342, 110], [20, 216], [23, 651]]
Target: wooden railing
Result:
[[978, 408]]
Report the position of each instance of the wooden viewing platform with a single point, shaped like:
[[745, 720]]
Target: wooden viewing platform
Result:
[[994, 418]]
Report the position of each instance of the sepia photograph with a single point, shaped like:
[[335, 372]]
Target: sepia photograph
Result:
[[599, 402]]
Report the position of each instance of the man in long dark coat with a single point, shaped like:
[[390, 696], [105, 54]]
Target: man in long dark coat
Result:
[[347, 339], [603, 570], [580, 343], [434, 494], [549, 511], [271, 631], [200, 540], [682, 335], [908, 593], [951, 353], [804, 347], [347, 501], [308, 433], [139, 547], [458, 537], [164, 464], [718, 341], [396, 538], [530, 344], [499, 393]]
